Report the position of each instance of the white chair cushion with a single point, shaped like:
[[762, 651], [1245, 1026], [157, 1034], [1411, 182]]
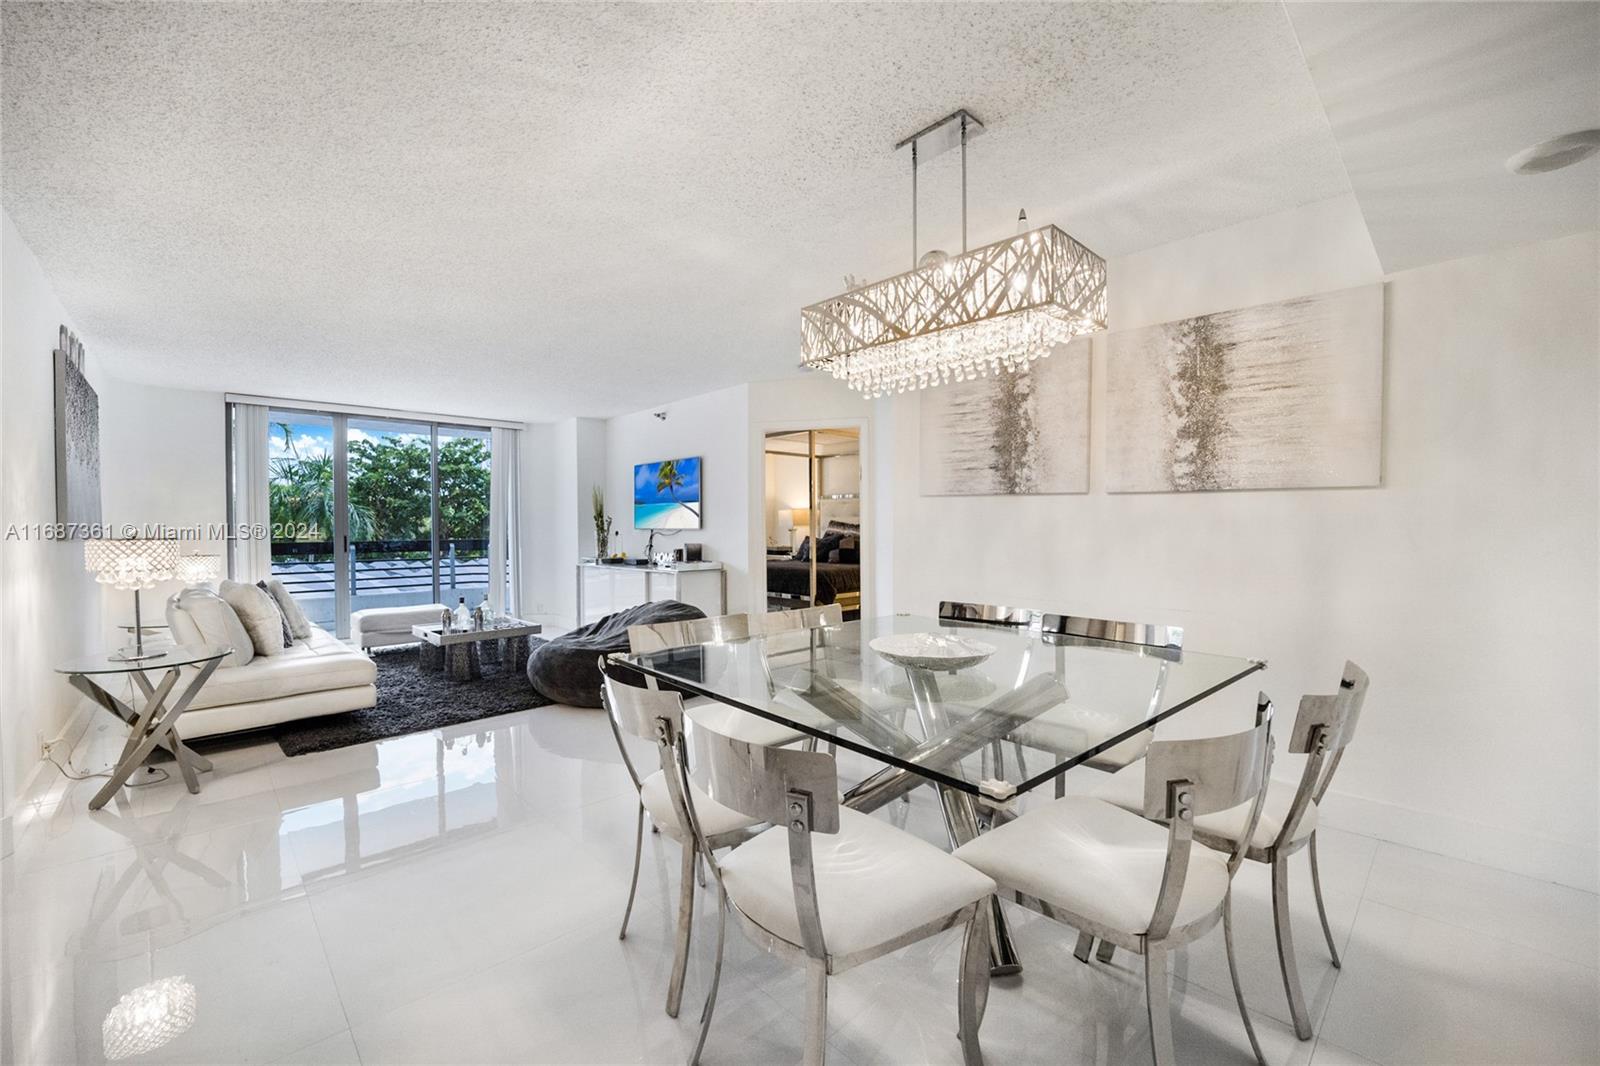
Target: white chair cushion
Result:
[[214, 620], [874, 883], [715, 819], [260, 615], [1125, 788], [740, 725], [1096, 861], [1072, 728]]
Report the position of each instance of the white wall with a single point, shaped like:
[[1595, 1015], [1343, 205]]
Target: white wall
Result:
[[1465, 585], [164, 463], [49, 607], [561, 463]]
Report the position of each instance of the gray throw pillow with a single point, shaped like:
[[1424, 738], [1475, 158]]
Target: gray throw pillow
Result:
[[288, 636], [299, 624]]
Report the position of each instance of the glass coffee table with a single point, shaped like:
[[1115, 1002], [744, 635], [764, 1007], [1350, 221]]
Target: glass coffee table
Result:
[[458, 652]]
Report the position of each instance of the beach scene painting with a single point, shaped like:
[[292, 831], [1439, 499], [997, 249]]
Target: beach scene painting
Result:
[[1285, 395], [666, 495]]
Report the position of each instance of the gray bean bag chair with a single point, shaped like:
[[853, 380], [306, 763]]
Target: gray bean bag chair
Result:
[[567, 668]]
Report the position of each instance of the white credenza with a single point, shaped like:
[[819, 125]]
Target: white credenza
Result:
[[605, 589]]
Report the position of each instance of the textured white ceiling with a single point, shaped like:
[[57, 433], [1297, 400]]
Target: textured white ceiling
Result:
[[1428, 100], [539, 210]]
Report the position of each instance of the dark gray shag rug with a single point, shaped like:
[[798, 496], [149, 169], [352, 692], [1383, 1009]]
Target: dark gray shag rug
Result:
[[411, 701]]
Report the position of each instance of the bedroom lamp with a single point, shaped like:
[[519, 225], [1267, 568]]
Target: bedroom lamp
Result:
[[195, 570], [799, 521], [131, 565]]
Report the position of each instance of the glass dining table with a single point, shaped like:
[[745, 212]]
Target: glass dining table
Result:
[[982, 713]]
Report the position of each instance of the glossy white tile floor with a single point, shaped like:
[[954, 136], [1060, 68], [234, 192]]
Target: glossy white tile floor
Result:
[[454, 897]]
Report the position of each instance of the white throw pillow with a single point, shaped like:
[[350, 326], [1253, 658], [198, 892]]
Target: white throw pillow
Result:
[[215, 622], [261, 617], [299, 624], [184, 632]]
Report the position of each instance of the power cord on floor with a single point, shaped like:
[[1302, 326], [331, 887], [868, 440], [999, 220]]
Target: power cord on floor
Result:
[[71, 774]]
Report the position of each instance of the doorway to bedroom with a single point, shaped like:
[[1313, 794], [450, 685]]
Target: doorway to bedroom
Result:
[[813, 505]]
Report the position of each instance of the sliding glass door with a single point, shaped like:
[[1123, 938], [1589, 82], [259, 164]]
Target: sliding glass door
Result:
[[379, 512], [389, 467], [463, 524]]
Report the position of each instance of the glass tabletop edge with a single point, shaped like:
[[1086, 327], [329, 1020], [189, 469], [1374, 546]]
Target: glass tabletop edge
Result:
[[833, 738], [1133, 731]]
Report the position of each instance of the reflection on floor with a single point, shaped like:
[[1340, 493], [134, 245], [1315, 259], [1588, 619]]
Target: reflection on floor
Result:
[[453, 896]]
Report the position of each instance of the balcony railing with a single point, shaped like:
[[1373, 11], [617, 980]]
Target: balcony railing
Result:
[[382, 566]]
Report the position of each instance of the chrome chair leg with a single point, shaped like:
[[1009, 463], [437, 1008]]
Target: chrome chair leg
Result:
[[1233, 972], [1281, 924], [816, 1012], [1084, 947], [633, 886], [1107, 950], [1159, 1003], [1322, 911], [716, 979], [680, 958], [973, 980]]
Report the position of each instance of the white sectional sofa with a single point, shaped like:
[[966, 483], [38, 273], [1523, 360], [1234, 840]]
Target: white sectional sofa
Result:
[[318, 675]]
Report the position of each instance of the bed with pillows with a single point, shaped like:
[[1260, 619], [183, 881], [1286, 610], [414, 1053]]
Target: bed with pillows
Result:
[[282, 666], [838, 559]]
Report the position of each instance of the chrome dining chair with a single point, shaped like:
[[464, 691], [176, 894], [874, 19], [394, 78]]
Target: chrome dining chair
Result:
[[1075, 727], [830, 887], [988, 614], [703, 711], [829, 614], [657, 717], [1323, 728], [1112, 874]]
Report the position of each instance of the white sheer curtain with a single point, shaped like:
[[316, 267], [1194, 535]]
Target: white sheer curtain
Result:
[[504, 521], [250, 550]]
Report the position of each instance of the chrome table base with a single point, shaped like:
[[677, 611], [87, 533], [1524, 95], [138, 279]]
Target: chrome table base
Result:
[[151, 726]]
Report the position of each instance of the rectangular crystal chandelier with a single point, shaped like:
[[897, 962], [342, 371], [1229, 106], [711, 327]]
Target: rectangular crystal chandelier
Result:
[[991, 310]]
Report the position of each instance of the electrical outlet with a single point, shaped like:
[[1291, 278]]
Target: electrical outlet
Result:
[[40, 745]]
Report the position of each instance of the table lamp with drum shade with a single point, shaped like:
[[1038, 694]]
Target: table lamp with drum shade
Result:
[[195, 570], [800, 517], [131, 565]]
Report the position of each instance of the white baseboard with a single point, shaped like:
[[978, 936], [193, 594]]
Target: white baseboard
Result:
[[1576, 865], [43, 774]]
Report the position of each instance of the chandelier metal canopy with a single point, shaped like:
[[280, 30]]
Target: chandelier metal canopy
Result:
[[993, 309]]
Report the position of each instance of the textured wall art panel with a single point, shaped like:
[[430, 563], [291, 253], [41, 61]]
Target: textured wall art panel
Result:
[[1281, 396], [1010, 434], [77, 432]]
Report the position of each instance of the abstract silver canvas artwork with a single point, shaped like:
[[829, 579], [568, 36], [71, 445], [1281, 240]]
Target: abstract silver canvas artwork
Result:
[[77, 431], [1279, 396], [1019, 434]]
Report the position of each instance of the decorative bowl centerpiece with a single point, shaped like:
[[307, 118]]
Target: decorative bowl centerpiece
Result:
[[932, 651]]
